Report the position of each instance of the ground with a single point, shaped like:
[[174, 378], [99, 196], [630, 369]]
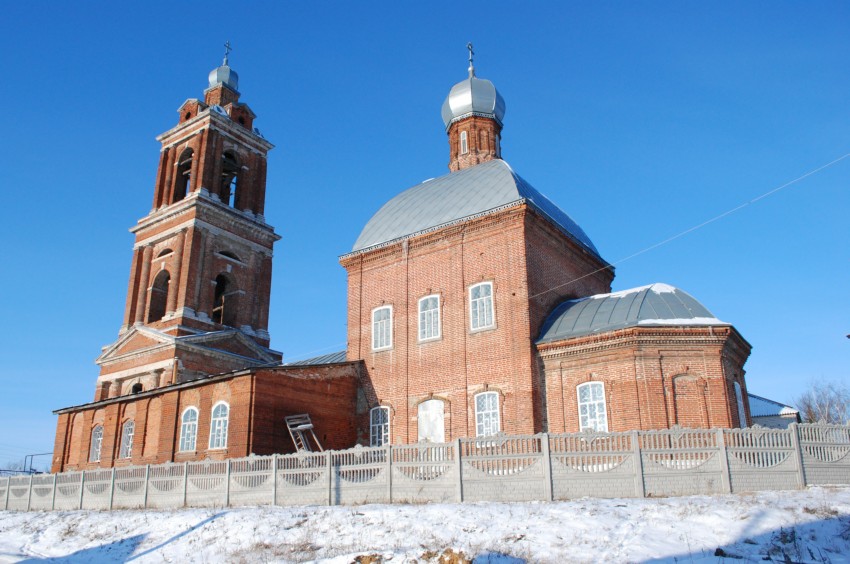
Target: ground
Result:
[[792, 526]]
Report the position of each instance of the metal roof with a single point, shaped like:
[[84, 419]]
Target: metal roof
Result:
[[653, 305], [763, 407], [330, 358], [473, 96], [459, 196]]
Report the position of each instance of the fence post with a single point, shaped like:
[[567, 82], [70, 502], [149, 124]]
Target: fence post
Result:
[[53, 499], [29, 496], [8, 487], [329, 464], [389, 473], [185, 481], [227, 484], [798, 454], [145, 492], [725, 477], [274, 479], [111, 488], [458, 471], [548, 489], [82, 486], [640, 485]]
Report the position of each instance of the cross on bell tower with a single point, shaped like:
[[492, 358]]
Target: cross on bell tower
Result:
[[200, 278]]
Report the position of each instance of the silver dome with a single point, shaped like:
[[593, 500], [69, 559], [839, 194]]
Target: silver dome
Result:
[[473, 97], [224, 75]]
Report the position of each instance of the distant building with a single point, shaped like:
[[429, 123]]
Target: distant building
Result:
[[772, 414], [476, 306]]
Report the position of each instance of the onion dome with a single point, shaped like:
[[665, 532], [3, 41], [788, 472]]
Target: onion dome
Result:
[[224, 74], [473, 97]]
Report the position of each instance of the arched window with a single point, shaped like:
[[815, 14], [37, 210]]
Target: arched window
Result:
[[229, 179], [591, 407], [127, 432], [224, 301], [487, 414], [218, 425], [464, 142], [429, 318], [430, 419], [188, 429], [96, 442], [481, 306], [379, 426], [382, 328], [159, 296], [739, 398], [137, 388], [184, 175]]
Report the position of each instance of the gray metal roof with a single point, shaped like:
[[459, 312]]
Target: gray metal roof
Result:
[[330, 358], [763, 407], [463, 195], [653, 305], [224, 75], [473, 96]]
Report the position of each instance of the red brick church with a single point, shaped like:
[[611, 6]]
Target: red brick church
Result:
[[476, 306]]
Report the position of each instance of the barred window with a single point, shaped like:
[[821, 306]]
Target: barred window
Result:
[[96, 442], [487, 414], [591, 407], [218, 426], [382, 328], [127, 440], [464, 142], [481, 306], [188, 429], [429, 318], [379, 426]]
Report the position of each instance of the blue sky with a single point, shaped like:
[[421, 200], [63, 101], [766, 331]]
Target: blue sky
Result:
[[640, 120]]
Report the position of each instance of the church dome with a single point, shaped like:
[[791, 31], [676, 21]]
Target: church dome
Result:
[[224, 75], [461, 196], [473, 97], [656, 305]]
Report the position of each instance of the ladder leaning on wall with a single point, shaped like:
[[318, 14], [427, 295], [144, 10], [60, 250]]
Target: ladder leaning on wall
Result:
[[299, 426]]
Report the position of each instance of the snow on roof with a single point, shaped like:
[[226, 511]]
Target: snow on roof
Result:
[[763, 407]]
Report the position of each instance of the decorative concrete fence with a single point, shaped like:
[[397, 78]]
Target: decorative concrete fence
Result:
[[500, 468]]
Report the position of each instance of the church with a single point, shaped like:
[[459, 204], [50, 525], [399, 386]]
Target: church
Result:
[[476, 307]]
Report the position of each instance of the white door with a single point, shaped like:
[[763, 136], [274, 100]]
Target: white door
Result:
[[431, 421]]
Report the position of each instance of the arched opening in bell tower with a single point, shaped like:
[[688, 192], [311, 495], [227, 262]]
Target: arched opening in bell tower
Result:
[[184, 175], [229, 179], [159, 296], [225, 301]]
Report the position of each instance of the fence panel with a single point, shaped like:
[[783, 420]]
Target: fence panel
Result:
[[503, 468], [166, 486], [681, 462], [826, 453], [424, 473], [97, 487], [251, 481], [129, 489], [4, 488], [360, 475], [206, 485], [761, 459], [593, 464], [68, 490], [19, 492], [42, 492], [302, 479]]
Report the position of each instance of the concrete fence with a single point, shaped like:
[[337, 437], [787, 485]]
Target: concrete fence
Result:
[[500, 468]]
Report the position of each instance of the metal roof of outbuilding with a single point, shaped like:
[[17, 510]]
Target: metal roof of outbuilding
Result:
[[460, 196], [330, 358], [653, 305], [763, 407]]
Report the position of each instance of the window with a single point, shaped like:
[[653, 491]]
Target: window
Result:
[[379, 426], [137, 388], [127, 440], [429, 318], [188, 429], [224, 301], [464, 142], [184, 175], [742, 415], [218, 426], [382, 328], [481, 306], [96, 442], [487, 414], [159, 296], [591, 407], [430, 420], [229, 179]]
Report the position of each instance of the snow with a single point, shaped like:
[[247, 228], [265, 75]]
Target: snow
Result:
[[683, 321], [797, 526]]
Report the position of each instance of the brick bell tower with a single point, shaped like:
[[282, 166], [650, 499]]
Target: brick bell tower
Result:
[[200, 278]]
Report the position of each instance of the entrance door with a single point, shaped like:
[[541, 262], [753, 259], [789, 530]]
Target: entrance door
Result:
[[431, 421]]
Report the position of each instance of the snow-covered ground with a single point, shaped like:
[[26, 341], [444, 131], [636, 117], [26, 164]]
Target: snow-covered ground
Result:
[[793, 526]]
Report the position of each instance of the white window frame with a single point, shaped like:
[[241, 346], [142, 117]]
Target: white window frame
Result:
[[464, 142], [189, 430], [96, 443], [481, 305], [429, 320], [739, 398], [435, 410], [487, 420], [382, 330], [218, 426], [595, 417], [379, 426], [127, 432]]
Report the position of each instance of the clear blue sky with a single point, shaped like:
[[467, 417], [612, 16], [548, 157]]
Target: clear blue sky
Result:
[[640, 120]]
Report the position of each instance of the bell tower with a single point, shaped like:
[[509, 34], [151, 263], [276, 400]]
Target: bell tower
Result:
[[200, 277]]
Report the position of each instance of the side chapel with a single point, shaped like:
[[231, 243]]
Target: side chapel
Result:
[[476, 306]]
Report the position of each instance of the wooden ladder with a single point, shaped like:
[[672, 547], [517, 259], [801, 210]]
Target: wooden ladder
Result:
[[299, 426]]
